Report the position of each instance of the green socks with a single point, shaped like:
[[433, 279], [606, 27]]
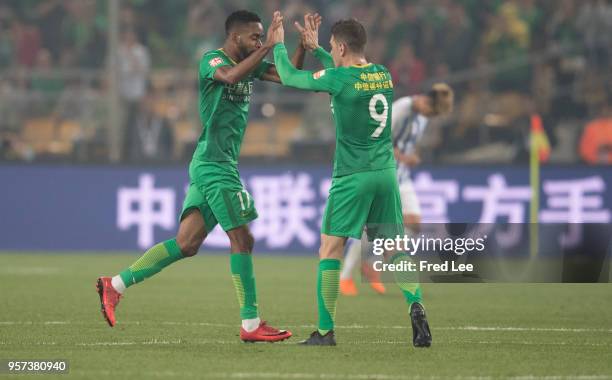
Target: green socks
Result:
[[244, 282], [328, 288], [407, 281], [154, 260]]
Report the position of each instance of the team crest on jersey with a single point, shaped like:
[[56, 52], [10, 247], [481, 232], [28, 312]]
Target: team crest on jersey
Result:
[[215, 62], [318, 74]]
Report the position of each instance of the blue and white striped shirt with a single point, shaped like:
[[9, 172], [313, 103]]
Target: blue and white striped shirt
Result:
[[407, 128]]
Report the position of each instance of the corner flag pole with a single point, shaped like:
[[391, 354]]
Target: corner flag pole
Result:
[[539, 149], [534, 181]]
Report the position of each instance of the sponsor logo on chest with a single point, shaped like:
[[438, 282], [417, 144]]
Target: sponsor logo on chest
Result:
[[239, 92]]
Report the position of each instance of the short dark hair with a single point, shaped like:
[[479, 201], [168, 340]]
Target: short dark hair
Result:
[[240, 17], [352, 33]]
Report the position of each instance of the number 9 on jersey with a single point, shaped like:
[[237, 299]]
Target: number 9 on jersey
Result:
[[379, 117]]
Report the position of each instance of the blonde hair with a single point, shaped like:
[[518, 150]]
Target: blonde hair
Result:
[[442, 98]]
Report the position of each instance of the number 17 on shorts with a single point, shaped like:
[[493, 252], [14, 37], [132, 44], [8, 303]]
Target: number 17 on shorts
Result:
[[245, 202]]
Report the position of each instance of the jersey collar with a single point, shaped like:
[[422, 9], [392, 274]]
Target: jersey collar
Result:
[[227, 56]]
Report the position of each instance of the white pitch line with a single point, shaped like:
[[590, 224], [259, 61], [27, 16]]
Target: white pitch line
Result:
[[527, 343], [467, 328], [197, 324], [29, 344], [160, 342], [145, 343], [336, 376], [348, 327], [10, 323], [275, 375], [343, 342], [530, 329]]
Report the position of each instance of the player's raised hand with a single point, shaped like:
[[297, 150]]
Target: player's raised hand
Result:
[[315, 21], [276, 33], [310, 31], [280, 29], [299, 26]]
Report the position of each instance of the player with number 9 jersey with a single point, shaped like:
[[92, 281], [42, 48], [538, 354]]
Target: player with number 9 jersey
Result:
[[364, 189]]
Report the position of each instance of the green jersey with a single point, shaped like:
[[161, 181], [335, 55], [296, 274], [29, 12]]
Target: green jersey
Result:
[[361, 106], [224, 109]]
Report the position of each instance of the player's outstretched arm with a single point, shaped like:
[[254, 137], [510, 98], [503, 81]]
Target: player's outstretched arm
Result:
[[302, 79], [297, 60], [234, 74], [324, 57]]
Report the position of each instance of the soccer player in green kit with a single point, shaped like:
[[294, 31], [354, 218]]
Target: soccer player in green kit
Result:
[[216, 194], [364, 189]]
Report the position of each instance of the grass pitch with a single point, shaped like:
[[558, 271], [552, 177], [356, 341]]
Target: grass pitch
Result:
[[183, 323]]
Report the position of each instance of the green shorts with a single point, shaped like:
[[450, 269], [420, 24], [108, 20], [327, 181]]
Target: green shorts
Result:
[[215, 189], [369, 199]]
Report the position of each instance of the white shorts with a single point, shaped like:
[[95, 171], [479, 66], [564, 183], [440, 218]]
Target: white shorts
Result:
[[410, 202]]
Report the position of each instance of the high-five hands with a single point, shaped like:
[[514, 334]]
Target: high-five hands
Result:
[[310, 31], [276, 33]]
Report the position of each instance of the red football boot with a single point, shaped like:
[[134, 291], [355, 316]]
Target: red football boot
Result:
[[264, 333], [109, 299]]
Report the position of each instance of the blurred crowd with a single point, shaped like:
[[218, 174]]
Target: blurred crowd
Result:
[[506, 59]]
